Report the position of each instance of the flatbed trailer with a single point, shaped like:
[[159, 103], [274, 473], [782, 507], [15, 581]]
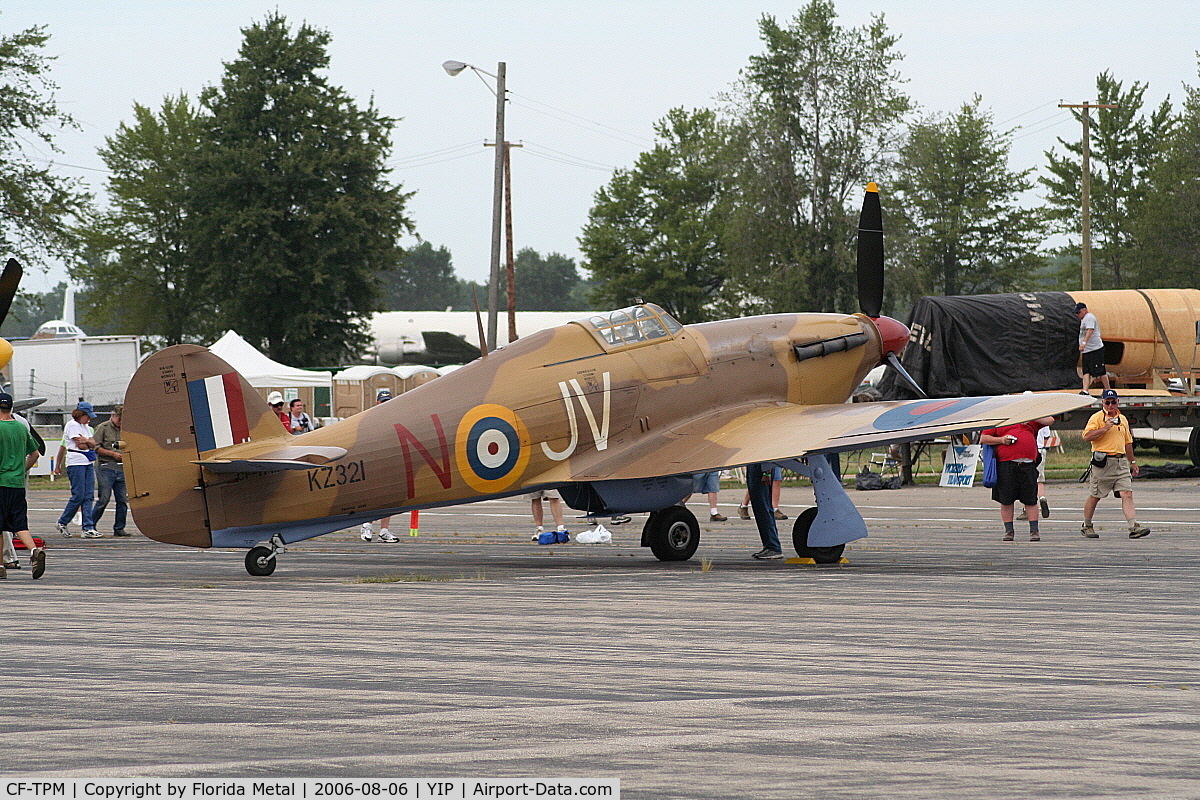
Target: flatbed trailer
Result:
[[1168, 420]]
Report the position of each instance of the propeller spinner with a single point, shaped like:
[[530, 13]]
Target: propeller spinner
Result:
[[870, 286]]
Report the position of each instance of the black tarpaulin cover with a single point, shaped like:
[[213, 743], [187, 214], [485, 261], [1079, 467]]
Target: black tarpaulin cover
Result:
[[989, 344]]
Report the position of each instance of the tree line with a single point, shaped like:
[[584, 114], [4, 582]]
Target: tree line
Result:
[[265, 204], [751, 206]]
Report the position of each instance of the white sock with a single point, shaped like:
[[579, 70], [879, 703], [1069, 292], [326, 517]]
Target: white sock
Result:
[[713, 511]]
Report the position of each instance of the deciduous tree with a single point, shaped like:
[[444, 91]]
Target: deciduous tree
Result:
[[140, 266], [424, 281], [292, 216], [37, 207], [654, 231], [961, 202], [817, 115], [1125, 145]]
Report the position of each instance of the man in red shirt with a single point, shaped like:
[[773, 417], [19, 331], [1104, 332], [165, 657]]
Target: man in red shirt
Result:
[[1016, 471]]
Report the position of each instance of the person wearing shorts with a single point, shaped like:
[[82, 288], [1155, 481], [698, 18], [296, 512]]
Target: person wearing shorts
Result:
[[1016, 472], [18, 454], [1091, 348], [708, 484], [1112, 442], [555, 500]]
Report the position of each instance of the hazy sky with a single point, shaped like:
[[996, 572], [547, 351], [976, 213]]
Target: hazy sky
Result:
[[587, 80]]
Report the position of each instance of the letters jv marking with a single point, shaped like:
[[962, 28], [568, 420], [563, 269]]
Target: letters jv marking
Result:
[[571, 389]]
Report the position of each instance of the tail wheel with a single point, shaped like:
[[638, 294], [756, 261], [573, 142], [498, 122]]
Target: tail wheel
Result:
[[821, 555], [260, 561], [672, 534]]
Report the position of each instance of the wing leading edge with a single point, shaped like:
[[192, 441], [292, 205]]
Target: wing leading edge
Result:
[[752, 434]]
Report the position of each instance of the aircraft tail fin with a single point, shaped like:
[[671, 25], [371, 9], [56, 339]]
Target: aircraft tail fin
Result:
[[185, 404]]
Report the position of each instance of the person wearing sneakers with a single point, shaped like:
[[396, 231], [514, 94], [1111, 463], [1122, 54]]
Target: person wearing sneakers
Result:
[[560, 535], [81, 470], [1113, 467], [708, 483], [759, 483], [18, 454], [9, 552], [110, 472], [385, 535], [1016, 471]]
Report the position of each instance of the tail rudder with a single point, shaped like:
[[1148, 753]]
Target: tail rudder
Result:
[[183, 404]]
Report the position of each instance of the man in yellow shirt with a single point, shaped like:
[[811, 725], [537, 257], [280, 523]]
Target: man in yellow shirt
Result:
[[1108, 432]]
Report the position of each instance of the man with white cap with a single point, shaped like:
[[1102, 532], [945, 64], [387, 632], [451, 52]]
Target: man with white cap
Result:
[[275, 401]]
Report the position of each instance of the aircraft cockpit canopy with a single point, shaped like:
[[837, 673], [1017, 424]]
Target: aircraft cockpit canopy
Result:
[[634, 325]]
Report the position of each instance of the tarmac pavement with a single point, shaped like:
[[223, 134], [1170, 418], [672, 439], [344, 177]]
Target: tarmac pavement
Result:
[[940, 662]]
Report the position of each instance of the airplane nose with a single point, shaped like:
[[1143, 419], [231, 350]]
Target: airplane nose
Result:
[[893, 332]]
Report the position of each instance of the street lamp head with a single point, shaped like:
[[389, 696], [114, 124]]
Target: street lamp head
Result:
[[454, 67]]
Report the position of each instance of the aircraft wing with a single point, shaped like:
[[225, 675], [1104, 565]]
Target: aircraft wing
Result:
[[751, 434]]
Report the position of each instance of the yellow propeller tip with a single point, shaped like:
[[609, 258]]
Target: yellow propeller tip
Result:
[[871, 187]]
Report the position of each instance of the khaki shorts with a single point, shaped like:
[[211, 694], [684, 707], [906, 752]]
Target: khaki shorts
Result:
[[1113, 477], [545, 494]]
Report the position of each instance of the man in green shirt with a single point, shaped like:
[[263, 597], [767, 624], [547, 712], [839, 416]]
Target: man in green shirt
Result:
[[18, 453]]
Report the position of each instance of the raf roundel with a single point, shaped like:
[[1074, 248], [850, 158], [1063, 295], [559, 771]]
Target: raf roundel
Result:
[[491, 448]]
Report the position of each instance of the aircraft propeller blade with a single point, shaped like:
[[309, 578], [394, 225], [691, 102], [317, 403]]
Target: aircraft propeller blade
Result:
[[870, 254], [9, 280], [893, 361]]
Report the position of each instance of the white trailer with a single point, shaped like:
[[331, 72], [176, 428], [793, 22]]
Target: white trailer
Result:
[[67, 370]]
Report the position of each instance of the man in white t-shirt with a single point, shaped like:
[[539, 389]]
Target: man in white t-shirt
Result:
[[1091, 348], [81, 469]]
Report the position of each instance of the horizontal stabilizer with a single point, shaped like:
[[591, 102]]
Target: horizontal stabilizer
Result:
[[256, 458]]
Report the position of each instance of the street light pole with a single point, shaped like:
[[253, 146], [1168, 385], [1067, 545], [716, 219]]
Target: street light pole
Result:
[[497, 209], [453, 68]]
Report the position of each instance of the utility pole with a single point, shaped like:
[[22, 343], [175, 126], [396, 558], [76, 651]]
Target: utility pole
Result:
[[1085, 259], [497, 208], [511, 295]]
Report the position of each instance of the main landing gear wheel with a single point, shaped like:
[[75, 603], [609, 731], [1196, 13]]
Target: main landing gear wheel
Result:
[[821, 555], [260, 561], [672, 534]]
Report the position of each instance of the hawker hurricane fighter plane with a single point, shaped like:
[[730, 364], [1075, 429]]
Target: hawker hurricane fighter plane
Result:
[[615, 410]]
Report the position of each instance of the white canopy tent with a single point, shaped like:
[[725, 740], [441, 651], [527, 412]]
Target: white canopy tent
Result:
[[262, 372]]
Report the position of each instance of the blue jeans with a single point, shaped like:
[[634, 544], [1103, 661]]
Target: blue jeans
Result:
[[111, 481], [83, 488], [760, 501]]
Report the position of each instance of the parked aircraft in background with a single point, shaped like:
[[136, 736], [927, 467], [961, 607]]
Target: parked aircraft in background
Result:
[[616, 410], [64, 328]]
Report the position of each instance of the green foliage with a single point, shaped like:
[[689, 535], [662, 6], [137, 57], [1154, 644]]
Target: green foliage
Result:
[[291, 217], [36, 207], [960, 201], [654, 231], [1124, 148], [543, 284], [816, 117], [30, 309], [139, 263], [424, 281], [1168, 227]]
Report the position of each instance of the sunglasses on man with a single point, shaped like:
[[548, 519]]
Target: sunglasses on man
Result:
[[1110, 402]]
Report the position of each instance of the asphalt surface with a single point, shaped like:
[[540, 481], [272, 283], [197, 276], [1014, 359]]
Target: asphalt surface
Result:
[[940, 662]]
